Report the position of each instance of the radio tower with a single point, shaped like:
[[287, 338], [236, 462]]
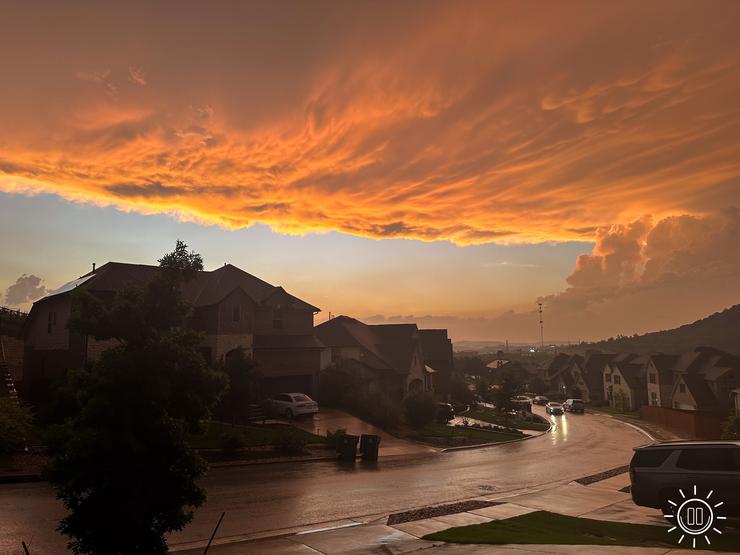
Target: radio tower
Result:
[[542, 329]]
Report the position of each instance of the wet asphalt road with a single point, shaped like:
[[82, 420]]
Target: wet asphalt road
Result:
[[270, 497]]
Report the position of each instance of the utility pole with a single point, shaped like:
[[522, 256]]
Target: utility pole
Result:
[[542, 328]]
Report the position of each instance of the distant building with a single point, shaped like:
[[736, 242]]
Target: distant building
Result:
[[387, 358], [233, 310]]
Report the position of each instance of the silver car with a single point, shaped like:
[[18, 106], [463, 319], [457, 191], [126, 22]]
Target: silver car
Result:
[[291, 405]]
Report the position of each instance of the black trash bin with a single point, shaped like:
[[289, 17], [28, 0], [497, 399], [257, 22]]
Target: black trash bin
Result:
[[369, 445], [347, 447]]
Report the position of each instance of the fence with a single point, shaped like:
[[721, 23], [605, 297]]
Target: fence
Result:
[[685, 423]]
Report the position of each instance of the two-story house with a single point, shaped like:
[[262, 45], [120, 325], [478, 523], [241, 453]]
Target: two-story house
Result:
[[625, 386], [385, 358], [230, 307]]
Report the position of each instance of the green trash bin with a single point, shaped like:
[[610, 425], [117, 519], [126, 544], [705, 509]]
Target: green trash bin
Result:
[[369, 445], [348, 447]]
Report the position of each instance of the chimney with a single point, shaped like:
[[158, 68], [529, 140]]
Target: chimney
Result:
[[93, 268]]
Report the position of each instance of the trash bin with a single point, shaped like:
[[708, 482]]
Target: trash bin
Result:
[[347, 447], [369, 445]]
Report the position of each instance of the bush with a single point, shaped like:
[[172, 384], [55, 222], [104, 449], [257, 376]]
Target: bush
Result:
[[420, 410], [731, 429], [459, 391], [231, 441], [290, 442], [333, 438], [16, 424]]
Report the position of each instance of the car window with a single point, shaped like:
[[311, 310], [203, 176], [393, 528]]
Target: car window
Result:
[[650, 458], [717, 459], [300, 398], [283, 397]]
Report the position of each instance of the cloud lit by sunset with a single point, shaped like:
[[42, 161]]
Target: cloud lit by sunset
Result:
[[470, 122], [467, 122]]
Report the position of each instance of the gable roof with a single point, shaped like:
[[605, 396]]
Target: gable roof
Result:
[[386, 346], [700, 391], [435, 344], [632, 373], [206, 288]]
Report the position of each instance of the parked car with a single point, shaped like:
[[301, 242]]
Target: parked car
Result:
[[540, 400], [445, 412], [660, 470], [554, 408], [291, 405], [574, 405]]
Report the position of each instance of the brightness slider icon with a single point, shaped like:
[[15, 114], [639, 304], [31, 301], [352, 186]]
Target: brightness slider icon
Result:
[[694, 516]]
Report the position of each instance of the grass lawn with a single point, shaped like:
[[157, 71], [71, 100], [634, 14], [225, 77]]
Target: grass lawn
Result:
[[494, 417], [254, 435], [441, 434], [542, 527]]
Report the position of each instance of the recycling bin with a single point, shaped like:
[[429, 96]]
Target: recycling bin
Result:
[[347, 447], [369, 445]]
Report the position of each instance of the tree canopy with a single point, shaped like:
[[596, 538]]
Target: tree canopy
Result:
[[121, 463]]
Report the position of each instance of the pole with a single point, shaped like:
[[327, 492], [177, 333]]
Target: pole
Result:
[[214, 532], [542, 329]]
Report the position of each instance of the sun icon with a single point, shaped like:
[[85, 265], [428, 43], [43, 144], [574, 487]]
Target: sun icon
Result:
[[695, 516]]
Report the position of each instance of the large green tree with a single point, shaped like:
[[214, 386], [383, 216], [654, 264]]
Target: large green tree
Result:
[[121, 463]]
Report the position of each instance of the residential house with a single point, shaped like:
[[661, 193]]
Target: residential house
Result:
[[232, 308], [436, 347], [625, 386], [661, 379], [386, 358]]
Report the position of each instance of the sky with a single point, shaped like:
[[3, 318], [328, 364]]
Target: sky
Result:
[[449, 163]]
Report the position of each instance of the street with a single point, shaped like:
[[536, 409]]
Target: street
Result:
[[267, 497]]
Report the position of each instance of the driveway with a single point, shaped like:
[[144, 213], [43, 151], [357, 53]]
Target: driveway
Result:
[[334, 419]]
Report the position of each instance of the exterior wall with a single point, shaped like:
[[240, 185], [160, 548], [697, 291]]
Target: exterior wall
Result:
[[46, 337], [13, 350], [654, 390], [682, 400], [283, 363], [220, 344], [619, 394]]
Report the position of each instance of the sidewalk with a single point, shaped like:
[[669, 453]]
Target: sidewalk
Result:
[[601, 500]]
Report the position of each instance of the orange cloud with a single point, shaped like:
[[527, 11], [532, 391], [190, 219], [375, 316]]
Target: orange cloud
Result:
[[470, 122]]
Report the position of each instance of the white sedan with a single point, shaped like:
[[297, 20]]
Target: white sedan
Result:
[[291, 404]]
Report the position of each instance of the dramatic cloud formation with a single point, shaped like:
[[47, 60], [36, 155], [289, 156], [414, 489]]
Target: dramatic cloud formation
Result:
[[466, 121], [640, 277], [24, 291]]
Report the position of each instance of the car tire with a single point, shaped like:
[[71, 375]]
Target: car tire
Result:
[[289, 414]]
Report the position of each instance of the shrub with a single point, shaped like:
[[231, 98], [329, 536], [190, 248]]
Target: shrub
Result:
[[459, 390], [332, 438], [290, 442], [731, 429], [420, 409], [16, 424], [231, 441]]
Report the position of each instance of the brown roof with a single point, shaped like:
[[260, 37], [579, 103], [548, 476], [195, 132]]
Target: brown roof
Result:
[[700, 391], [435, 344], [386, 346], [634, 374], [206, 288]]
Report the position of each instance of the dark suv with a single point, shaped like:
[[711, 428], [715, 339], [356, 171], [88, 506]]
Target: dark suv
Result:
[[660, 470]]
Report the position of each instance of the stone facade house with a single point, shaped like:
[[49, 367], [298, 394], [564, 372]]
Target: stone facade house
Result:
[[230, 307], [625, 386]]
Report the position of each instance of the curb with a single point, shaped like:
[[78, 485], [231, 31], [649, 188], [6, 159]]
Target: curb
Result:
[[483, 445]]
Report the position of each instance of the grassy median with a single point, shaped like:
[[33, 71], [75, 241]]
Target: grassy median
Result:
[[542, 527]]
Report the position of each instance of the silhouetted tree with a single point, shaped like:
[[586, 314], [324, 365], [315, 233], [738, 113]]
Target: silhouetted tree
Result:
[[121, 463], [510, 385], [242, 388]]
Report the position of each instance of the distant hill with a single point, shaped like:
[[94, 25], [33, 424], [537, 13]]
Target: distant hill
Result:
[[720, 330]]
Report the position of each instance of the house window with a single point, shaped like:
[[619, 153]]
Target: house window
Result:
[[277, 321], [617, 379], [652, 378], [608, 378], [236, 314], [682, 388]]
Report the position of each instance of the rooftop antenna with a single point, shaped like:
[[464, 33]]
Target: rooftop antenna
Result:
[[542, 328]]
